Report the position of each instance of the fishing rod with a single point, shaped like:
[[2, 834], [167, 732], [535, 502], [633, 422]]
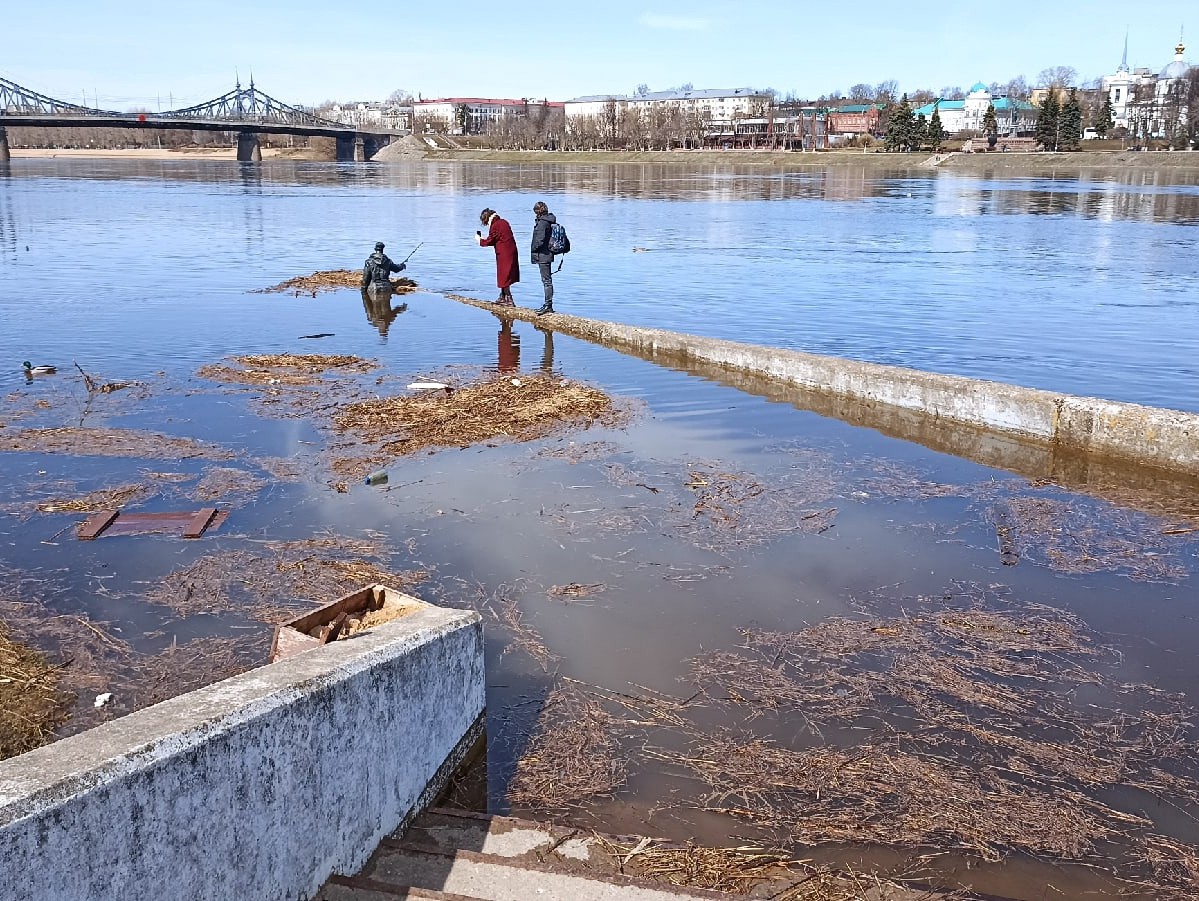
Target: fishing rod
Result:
[[414, 250]]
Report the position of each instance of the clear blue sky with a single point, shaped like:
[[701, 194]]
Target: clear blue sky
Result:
[[135, 53]]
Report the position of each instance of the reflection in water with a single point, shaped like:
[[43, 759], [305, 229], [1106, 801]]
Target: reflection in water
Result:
[[8, 223], [547, 350], [1134, 194], [376, 302], [509, 348], [1137, 196]]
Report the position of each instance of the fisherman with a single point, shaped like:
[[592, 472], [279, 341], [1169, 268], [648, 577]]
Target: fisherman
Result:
[[377, 269]]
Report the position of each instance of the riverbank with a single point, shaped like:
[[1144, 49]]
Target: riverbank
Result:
[[967, 163], [873, 160]]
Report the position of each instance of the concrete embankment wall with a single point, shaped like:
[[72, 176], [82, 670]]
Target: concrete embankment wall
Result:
[[1065, 425], [258, 787]]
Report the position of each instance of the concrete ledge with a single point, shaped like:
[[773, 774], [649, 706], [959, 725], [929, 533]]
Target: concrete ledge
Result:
[[1165, 440], [258, 787]]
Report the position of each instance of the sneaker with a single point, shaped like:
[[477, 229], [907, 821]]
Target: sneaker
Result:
[[545, 308]]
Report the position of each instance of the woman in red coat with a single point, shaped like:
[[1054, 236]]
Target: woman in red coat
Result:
[[507, 266]]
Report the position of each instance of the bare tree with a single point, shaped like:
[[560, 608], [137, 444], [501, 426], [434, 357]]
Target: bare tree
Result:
[[1057, 77], [399, 96], [886, 91], [863, 93], [1017, 89], [1192, 104]]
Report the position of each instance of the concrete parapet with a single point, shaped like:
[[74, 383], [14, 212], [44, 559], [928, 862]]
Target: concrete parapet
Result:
[[1031, 422], [257, 787]]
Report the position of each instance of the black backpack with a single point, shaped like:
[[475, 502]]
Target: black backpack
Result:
[[559, 242]]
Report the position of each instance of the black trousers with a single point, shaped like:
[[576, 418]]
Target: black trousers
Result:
[[547, 281]]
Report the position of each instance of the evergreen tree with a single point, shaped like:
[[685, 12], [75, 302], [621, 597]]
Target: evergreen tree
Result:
[[990, 123], [936, 131], [1105, 122], [901, 127], [1047, 124], [919, 132], [1070, 123]]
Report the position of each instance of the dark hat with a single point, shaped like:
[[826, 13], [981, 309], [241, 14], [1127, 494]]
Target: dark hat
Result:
[[378, 245], [487, 213]]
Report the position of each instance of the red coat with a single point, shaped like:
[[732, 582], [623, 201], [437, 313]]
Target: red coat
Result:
[[507, 266]]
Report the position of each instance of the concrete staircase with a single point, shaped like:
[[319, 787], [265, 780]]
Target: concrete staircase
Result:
[[456, 856]]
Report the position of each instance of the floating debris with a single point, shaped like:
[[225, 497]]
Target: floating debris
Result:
[[331, 280]]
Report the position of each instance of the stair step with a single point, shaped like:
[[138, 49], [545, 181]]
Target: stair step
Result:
[[340, 888], [489, 878], [573, 849]]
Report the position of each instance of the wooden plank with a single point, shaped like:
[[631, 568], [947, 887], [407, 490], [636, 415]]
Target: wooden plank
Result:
[[287, 642], [97, 523], [331, 631], [353, 602], [199, 523]]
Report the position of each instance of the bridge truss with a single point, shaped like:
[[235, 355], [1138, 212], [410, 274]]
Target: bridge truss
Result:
[[18, 101], [238, 107]]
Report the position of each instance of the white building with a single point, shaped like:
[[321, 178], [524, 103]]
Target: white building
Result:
[[1148, 104], [367, 115], [472, 115], [967, 115], [718, 108]]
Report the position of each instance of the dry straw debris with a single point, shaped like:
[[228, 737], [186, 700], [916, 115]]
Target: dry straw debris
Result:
[[32, 705], [286, 370], [572, 756], [330, 280], [126, 443], [970, 738], [496, 408], [285, 576]]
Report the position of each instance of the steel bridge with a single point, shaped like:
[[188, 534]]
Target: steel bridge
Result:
[[247, 111]]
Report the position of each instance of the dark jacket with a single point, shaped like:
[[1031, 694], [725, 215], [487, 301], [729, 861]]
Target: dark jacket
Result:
[[377, 268], [541, 238]]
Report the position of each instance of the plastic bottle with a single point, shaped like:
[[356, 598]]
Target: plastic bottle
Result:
[[378, 477]]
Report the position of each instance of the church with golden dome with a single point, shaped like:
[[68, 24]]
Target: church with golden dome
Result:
[[1150, 104]]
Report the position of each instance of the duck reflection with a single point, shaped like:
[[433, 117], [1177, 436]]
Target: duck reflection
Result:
[[379, 311], [509, 348]]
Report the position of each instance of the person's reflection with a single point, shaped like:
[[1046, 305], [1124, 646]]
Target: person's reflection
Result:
[[379, 311], [509, 348], [547, 350]]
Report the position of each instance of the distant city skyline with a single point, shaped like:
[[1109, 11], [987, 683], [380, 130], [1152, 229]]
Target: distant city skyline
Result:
[[153, 55]]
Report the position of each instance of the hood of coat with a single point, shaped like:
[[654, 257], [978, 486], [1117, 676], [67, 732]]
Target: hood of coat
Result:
[[548, 217]]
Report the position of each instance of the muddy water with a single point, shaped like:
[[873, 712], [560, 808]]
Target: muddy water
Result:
[[716, 511]]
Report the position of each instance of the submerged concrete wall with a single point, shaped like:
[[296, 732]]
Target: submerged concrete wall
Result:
[[1166, 440], [258, 787]]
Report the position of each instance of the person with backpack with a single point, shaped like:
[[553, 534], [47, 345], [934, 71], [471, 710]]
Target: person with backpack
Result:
[[547, 241]]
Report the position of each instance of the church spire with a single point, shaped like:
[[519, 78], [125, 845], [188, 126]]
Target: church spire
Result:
[[1124, 59], [1181, 48]]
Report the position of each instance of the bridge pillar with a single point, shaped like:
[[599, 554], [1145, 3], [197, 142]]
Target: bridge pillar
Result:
[[5, 155], [345, 148], [248, 150]]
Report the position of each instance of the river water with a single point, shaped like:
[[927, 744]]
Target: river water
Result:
[[147, 271]]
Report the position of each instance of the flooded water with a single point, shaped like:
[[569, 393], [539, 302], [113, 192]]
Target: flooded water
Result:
[[625, 555]]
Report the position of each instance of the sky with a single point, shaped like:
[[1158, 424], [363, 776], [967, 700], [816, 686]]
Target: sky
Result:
[[125, 54]]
